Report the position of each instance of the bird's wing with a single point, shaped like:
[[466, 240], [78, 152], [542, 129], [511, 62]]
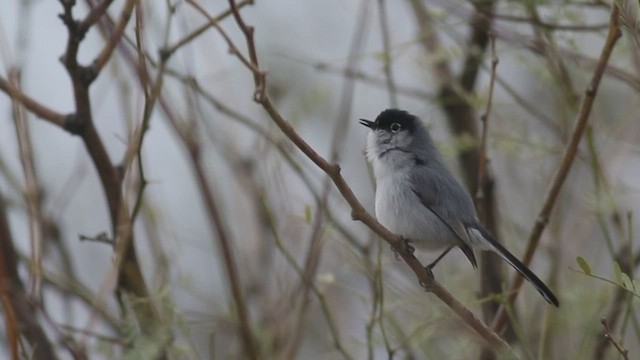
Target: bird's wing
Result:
[[430, 199]]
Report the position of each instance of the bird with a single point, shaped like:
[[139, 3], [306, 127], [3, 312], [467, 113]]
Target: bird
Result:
[[418, 198]]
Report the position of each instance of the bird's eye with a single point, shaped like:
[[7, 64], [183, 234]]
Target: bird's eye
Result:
[[395, 127]]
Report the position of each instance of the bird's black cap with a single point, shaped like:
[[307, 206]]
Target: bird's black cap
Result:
[[390, 116]]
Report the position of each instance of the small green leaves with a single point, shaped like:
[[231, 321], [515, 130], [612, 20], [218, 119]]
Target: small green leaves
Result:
[[623, 279], [584, 265], [617, 272]]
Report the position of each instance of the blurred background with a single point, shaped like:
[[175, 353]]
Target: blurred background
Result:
[[150, 208]]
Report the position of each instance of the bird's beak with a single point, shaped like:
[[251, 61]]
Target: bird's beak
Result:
[[367, 123]]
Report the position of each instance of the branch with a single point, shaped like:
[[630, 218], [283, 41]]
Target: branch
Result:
[[482, 157], [31, 195], [106, 52], [538, 48], [14, 299], [628, 261], [30, 104], [370, 79], [218, 224], [358, 212], [607, 335], [126, 267], [95, 14], [312, 259], [387, 57], [564, 166], [170, 50]]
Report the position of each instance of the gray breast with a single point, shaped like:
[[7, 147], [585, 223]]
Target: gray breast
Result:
[[400, 210]]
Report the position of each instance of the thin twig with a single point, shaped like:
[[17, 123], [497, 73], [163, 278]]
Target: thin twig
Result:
[[224, 242], [370, 79], [333, 329], [32, 196], [564, 166], [536, 21], [387, 57], [537, 47], [167, 51], [219, 227], [619, 298], [339, 136], [32, 105], [555, 64], [102, 58], [484, 118], [125, 273], [14, 297], [94, 15], [607, 334], [234, 50]]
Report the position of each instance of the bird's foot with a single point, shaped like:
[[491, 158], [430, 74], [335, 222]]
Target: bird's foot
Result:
[[426, 283], [407, 247]]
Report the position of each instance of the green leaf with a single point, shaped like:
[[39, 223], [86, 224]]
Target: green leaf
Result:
[[626, 282], [618, 272], [584, 265]]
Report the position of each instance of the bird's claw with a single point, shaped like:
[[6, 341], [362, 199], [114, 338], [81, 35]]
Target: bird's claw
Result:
[[407, 247], [426, 285]]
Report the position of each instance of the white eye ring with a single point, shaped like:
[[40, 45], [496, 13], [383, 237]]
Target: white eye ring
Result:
[[395, 127]]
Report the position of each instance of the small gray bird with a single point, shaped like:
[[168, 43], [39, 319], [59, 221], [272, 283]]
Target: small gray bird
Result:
[[418, 199]]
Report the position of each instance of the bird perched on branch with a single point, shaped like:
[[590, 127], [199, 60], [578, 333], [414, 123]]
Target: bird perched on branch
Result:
[[418, 198]]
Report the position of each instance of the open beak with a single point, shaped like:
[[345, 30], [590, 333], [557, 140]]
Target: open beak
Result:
[[367, 123]]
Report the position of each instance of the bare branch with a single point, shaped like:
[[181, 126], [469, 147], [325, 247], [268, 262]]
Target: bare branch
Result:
[[94, 15], [387, 56], [32, 105], [357, 210], [482, 151], [126, 268], [170, 50], [607, 334], [14, 298], [106, 52], [32, 196]]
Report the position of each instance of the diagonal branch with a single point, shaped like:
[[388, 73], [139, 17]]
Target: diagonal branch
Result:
[[358, 212], [95, 14], [30, 104], [116, 35]]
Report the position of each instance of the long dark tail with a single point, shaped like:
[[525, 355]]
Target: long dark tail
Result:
[[542, 288]]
